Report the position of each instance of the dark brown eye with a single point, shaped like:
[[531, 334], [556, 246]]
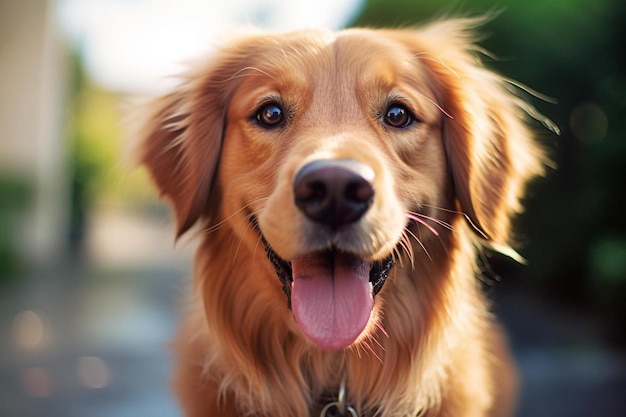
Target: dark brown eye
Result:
[[398, 116], [270, 115]]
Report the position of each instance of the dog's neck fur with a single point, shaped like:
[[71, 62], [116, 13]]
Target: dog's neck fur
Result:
[[386, 377]]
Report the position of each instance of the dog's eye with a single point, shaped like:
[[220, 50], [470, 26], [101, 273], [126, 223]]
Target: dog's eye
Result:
[[270, 115], [398, 116]]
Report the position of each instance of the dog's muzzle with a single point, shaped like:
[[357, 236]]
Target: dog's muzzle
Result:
[[331, 291]]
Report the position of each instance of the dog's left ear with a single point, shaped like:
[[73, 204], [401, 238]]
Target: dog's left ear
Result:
[[490, 149]]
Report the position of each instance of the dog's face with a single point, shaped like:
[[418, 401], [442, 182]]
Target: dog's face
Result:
[[336, 152], [327, 161]]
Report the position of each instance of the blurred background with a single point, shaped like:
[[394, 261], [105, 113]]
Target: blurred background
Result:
[[90, 276]]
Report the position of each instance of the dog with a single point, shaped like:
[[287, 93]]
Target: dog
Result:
[[341, 185]]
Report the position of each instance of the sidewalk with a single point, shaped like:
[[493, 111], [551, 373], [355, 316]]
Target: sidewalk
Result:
[[89, 339], [566, 368]]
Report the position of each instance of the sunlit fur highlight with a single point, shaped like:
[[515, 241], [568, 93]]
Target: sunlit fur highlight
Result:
[[431, 347]]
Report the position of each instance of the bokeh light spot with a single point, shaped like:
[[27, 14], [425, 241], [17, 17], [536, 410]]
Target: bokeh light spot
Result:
[[31, 329], [37, 382], [93, 372], [588, 122]]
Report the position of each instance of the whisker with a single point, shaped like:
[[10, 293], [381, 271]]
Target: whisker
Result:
[[418, 219], [440, 222], [467, 218], [402, 243], [258, 242], [234, 260], [371, 350], [442, 209], [373, 339], [421, 244], [220, 224], [380, 327], [359, 351], [407, 241], [239, 245], [395, 253], [397, 256]]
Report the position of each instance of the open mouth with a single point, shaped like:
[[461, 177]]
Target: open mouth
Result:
[[331, 293]]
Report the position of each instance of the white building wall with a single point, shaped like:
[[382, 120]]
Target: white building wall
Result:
[[33, 81]]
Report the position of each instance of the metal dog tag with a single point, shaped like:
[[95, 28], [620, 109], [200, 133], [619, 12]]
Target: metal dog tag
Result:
[[334, 410]]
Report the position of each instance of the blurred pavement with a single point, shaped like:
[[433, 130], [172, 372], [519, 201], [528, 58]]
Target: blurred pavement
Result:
[[567, 368], [89, 339]]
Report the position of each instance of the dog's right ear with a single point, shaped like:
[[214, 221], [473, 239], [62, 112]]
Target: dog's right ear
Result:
[[181, 139], [164, 150]]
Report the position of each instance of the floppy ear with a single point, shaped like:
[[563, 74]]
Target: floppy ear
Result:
[[181, 141], [490, 149]]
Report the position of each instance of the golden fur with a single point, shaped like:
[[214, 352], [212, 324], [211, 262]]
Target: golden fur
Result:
[[431, 347]]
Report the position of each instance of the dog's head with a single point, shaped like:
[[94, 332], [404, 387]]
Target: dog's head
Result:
[[342, 153]]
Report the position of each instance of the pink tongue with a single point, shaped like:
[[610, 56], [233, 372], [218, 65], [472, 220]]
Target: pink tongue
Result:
[[331, 298]]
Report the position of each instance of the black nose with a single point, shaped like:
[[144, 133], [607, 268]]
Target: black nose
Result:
[[334, 192]]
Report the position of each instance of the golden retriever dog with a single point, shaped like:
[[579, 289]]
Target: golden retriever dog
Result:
[[342, 185]]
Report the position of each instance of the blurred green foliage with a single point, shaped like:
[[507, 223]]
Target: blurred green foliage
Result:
[[96, 136], [16, 194], [571, 51]]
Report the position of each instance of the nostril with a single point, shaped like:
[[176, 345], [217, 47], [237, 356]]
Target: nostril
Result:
[[360, 191], [334, 192], [310, 189]]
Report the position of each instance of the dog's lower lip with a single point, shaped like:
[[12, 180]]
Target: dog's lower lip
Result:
[[282, 268]]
